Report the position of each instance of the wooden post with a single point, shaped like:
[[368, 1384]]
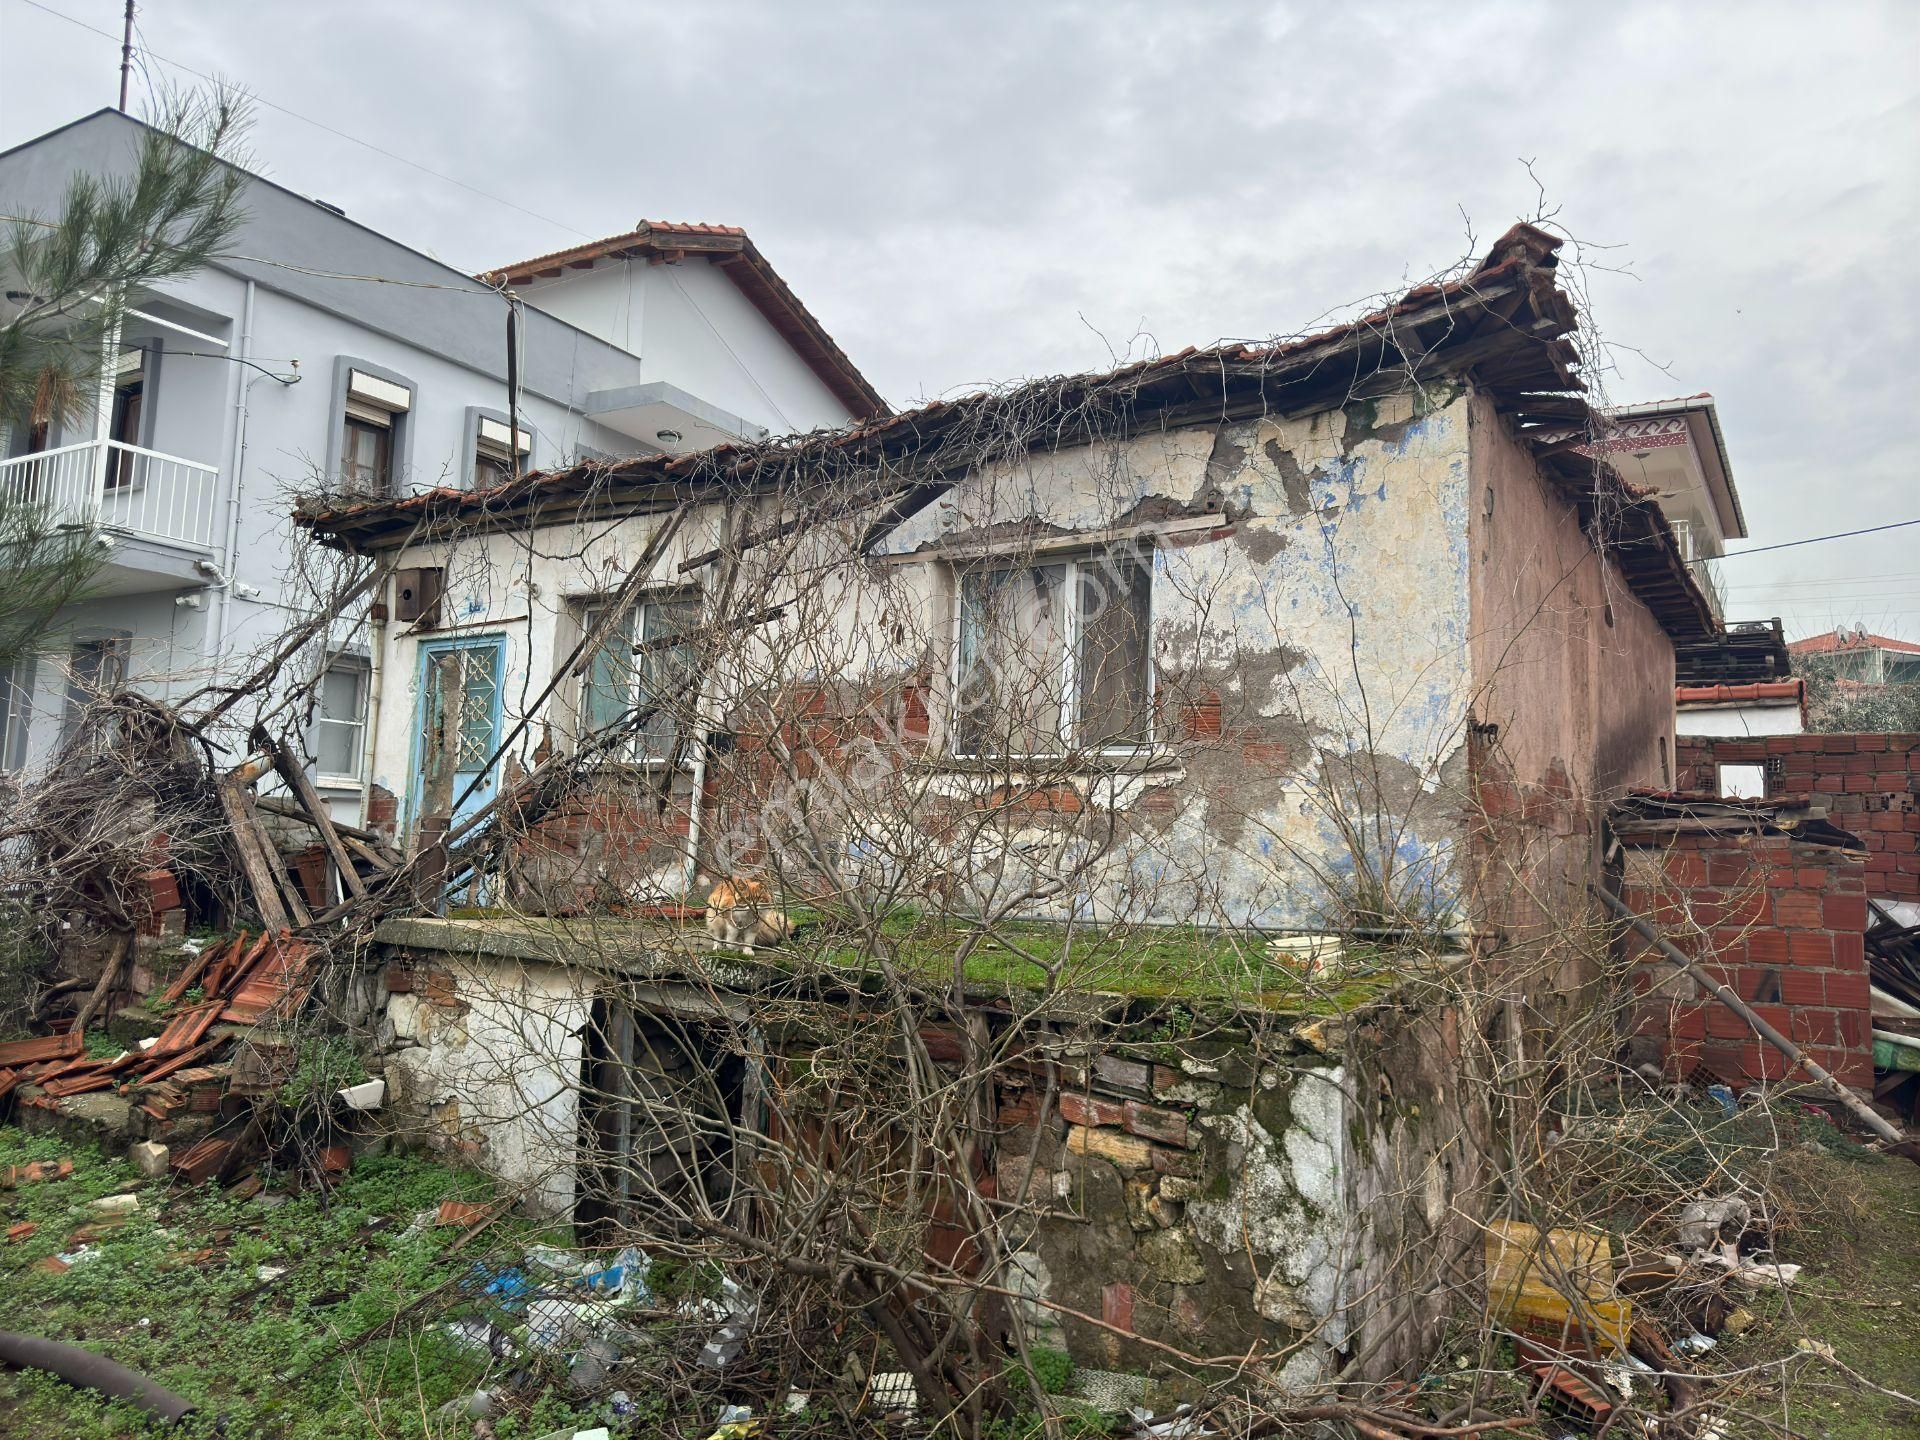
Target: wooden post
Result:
[[295, 775]]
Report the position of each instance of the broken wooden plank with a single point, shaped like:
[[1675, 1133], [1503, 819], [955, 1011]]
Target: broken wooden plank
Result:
[[295, 776], [236, 804]]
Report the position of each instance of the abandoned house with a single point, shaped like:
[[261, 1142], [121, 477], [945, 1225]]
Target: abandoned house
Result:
[[1346, 638]]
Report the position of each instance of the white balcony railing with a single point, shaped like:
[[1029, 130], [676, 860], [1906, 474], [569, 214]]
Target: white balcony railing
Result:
[[109, 485], [1712, 585]]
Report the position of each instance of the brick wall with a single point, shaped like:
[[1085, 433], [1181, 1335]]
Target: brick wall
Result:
[[1866, 783], [1782, 925]]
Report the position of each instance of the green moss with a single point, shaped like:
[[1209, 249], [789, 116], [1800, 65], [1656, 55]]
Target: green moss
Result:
[[1178, 964]]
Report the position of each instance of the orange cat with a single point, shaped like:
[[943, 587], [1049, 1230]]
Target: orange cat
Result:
[[737, 914]]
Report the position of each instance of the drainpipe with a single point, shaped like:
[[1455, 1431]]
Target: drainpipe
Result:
[[103, 418], [691, 878], [238, 460]]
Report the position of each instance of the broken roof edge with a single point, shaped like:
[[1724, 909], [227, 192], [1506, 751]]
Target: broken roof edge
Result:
[[1645, 816], [733, 251], [1513, 272], [1504, 323]]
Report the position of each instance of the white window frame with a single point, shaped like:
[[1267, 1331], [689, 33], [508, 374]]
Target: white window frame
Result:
[[587, 610], [363, 672], [491, 443], [16, 712], [1075, 561]]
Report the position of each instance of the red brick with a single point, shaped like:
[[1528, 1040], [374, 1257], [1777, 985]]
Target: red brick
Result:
[[399, 980], [1689, 1023], [1846, 913], [1724, 1024], [1685, 867], [1090, 1110], [1847, 992], [1850, 953], [1810, 947], [1855, 1029], [1815, 1027], [1767, 947], [1802, 987], [1796, 909], [1156, 1123], [1760, 1061]]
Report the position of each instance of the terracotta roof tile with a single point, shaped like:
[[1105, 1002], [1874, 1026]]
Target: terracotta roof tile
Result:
[[1834, 640], [1749, 693]]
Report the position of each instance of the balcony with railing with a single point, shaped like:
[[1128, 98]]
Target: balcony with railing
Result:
[[162, 503]]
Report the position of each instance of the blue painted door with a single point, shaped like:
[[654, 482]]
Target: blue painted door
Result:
[[459, 726]]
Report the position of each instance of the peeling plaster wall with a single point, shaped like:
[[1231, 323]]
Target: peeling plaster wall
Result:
[[1310, 586], [1311, 598], [483, 1061], [1335, 598], [1222, 1197]]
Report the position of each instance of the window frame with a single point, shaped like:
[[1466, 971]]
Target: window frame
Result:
[[17, 682], [362, 671], [115, 649], [352, 423], [371, 397], [1076, 561], [126, 419], [587, 610], [506, 458]]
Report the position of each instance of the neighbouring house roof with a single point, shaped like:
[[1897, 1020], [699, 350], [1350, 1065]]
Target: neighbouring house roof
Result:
[[1630, 426], [1760, 692], [729, 248], [1504, 323], [1834, 641]]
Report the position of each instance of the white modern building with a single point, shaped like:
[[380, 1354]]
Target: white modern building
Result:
[[1676, 450], [320, 354]]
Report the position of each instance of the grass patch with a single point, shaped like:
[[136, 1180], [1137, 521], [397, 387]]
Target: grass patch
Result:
[[1859, 1236], [256, 1357]]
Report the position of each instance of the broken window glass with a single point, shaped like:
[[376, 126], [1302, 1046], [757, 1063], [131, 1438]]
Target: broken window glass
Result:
[[619, 683]]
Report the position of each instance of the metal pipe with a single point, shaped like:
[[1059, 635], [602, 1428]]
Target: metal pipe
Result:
[[88, 1371], [1642, 927], [242, 404]]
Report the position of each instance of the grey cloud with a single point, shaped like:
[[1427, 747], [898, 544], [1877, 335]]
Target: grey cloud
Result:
[[953, 187]]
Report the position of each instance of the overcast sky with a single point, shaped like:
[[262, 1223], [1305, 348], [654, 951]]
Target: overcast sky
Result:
[[973, 192]]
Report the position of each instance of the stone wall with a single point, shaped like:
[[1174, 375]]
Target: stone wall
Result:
[[1781, 923], [1305, 1187], [1229, 1196]]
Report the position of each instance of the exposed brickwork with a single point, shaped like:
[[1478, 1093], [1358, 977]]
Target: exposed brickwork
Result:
[[1867, 784], [1781, 924]]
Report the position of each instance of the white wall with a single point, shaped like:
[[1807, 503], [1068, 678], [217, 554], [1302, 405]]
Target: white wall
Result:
[[691, 326], [1772, 718]]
